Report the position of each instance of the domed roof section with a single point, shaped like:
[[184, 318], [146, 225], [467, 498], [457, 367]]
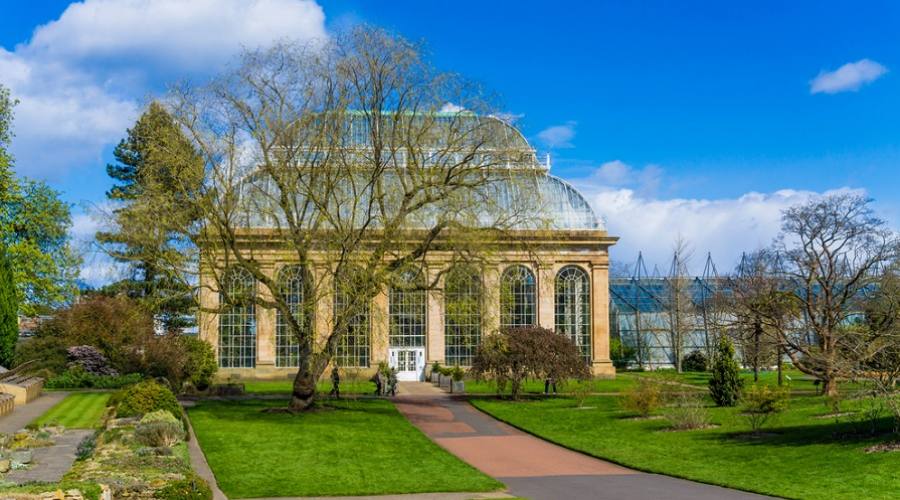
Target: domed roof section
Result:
[[497, 141], [518, 189], [560, 205]]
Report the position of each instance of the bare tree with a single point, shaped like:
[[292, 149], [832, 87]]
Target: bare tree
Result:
[[763, 310], [833, 248], [679, 301], [351, 159]]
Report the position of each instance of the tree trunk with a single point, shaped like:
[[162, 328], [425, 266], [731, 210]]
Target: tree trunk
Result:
[[779, 363], [830, 387], [303, 393]]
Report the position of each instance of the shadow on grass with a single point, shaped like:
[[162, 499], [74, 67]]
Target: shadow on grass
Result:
[[851, 433]]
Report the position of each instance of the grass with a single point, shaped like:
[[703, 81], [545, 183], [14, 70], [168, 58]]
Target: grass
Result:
[[323, 387], [537, 386], [800, 456], [80, 410], [363, 447]]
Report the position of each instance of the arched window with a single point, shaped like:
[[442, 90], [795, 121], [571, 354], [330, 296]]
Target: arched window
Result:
[[462, 315], [517, 297], [573, 307], [294, 283], [407, 309], [237, 320], [353, 347]]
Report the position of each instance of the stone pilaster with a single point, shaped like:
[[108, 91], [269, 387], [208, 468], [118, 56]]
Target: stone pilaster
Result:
[[434, 315], [491, 317], [207, 320], [323, 288], [601, 364], [265, 325], [545, 295], [380, 327]]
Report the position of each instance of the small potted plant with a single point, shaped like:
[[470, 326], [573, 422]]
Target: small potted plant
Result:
[[458, 386], [446, 377], [435, 373]]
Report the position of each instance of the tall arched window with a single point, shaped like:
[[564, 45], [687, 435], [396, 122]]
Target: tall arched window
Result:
[[407, 309], [237, 320], [294, 282], [517, 297], [573, 307], [462, 315], [354, 346]]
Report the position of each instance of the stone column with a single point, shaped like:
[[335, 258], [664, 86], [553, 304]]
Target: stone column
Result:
[[265, 326], [434, 316], [546, 299], [601, 364]]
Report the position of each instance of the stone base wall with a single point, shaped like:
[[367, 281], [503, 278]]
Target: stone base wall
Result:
[[603, 369]]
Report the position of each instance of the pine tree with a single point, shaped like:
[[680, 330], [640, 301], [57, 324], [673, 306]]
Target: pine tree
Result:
[[9, 319], [726, 383], [153, 163]]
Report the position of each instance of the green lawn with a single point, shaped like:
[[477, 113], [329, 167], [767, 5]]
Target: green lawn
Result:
[[363, 447], [617, 384], [80, 410], [800, 456], [323, 387]]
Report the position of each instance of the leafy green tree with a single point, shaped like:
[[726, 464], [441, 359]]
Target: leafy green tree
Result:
[[156, 167], [9, 319], [726, 383], [34, 225]]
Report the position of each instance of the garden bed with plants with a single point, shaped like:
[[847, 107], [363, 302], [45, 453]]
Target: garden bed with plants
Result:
[[137, 449]]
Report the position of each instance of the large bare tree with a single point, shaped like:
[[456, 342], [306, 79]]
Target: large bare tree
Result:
[[351, 159], [763, 310], [832, 252]]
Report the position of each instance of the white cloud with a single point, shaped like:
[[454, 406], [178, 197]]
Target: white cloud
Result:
[[558, 136], [81, 77], [725, 227], [849, 77], [449, 107], [617, 173]]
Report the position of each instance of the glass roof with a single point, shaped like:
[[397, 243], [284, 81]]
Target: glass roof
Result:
[[519, 183]]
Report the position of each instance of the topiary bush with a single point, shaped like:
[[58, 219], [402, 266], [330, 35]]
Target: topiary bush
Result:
[[695, 361], [145, 397], [725, 384], [192, 487]]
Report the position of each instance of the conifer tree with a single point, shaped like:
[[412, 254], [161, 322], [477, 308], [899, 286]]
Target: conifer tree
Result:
[[156, 166], [9, 320], [726, 383]]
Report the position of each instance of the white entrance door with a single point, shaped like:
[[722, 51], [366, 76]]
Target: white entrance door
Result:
[[409, 363]]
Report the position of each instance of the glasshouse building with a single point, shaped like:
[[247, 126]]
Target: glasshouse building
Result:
[[559, 282]]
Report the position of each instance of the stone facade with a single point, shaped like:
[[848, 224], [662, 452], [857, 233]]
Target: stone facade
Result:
[[552, 251]]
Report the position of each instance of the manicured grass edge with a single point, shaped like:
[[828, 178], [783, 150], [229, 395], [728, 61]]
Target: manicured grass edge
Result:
[[614, 461]]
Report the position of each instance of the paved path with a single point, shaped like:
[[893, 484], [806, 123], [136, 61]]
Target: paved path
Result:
[[534, 468], [25, 414], [48, 464]]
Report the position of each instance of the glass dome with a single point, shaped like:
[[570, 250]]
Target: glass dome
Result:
[[519, 184]]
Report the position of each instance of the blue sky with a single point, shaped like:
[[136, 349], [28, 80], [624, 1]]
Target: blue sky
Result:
[[675, 118]]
